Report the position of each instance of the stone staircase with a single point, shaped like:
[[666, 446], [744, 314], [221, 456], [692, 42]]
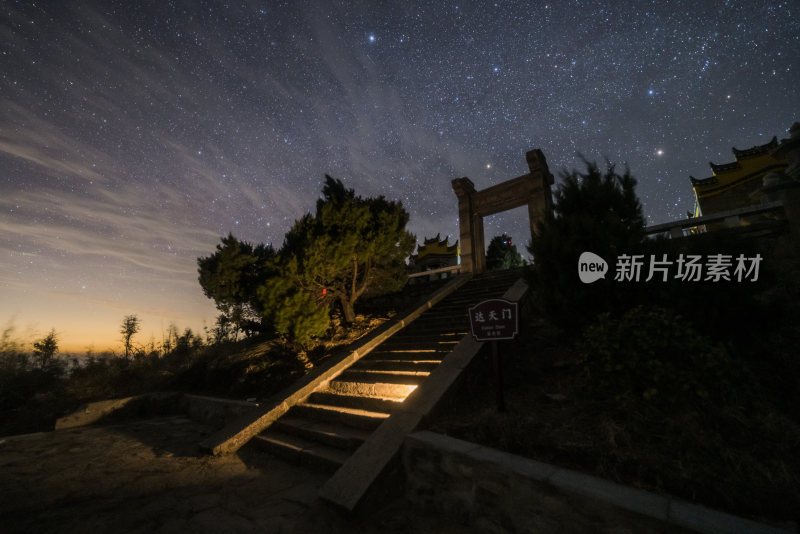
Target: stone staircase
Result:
[[325, 428]]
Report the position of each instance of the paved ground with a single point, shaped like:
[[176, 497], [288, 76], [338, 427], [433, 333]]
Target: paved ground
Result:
[[148, 476]]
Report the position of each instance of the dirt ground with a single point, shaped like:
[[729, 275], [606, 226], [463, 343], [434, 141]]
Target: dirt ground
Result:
[[148, 476]]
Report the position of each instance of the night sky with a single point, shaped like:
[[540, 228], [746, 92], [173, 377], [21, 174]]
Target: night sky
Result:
[[133, 135]]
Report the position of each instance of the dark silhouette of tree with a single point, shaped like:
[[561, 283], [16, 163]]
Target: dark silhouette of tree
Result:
[[351, 246], [223, 330], [231, 277], [595, 212], [46, 349], [501, 254], [130, 326]]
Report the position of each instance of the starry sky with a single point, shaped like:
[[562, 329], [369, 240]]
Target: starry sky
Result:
[[133, 135]]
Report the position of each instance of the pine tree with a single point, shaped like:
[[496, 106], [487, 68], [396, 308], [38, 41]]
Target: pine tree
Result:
[[593, 212], [350, 247], [231, 277]]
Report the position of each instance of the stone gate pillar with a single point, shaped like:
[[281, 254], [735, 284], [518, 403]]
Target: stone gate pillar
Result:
[[539, 205], [465, 189]]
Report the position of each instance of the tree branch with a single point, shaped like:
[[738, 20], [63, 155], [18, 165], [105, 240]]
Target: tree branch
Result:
[[367, 269], [353, 294]]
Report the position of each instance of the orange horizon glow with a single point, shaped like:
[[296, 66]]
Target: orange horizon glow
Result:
[[91, 324]]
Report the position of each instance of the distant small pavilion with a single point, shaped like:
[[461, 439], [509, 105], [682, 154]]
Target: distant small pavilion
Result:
[[435, 253]]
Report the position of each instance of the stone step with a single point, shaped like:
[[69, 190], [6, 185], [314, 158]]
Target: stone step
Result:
[[375, 364], [448, 323], [506, 274], [428, 355], [301, 450], [361, 402], [455, 334], [461, 305], [455, 308], [354, 417], [455, 320], [459, 308], [435, 349], [339, 436], [448, 308], [490, 281], [466, 298], [418, 343], [469, 291], [436, 330], [384, 377], [375, 389], [401, 354], [445, 325], [409, 333]]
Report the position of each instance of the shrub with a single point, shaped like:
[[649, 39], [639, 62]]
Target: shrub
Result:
[[654, 355], [595, 212]]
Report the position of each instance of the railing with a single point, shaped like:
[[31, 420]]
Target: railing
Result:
[[455, 269], [732, 219]]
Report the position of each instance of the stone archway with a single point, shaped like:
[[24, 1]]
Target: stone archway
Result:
[[532, 189]]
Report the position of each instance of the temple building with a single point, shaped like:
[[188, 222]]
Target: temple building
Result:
[[738, 184], [435, 253]]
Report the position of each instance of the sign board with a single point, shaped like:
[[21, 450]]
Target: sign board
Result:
[[493, 320]]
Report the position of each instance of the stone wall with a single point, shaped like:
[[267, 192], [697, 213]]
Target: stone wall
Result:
[[493, 491], [209, 410], [215, 411], [161, 403]]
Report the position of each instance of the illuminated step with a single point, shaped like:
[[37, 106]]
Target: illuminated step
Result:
[[373, 389], [386, 377], [449, 322], [336, 414], [339, 436], [420, 343], [302, 450], [407, 355], [411, 333], [405, 364], [362, 402], [429, 353], [411, 345], [403, 356], [433, 332]]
